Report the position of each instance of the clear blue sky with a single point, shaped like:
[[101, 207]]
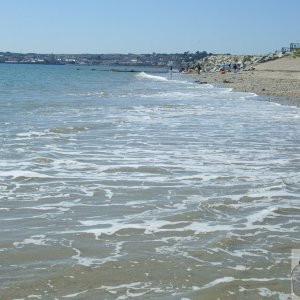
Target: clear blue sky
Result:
[[146, 26]]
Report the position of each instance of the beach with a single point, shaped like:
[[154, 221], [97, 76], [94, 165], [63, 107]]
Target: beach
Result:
[[277, 80]]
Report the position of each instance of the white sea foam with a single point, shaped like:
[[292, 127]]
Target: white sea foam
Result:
[[61, 206], [259, 216], [172, 95], [217, 282], [35, 296], [38, 240], [132, 290], [90, 94], [30, 134], [26, 174], [239, 268], [69, 164], [116, 254], [150, 227], [75, 294], [150, 76], [108, 193]]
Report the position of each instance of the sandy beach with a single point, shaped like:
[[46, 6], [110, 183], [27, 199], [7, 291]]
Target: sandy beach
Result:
[[278, 80]]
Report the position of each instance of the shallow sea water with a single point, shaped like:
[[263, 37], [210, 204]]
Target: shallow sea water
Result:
[[117, 185]]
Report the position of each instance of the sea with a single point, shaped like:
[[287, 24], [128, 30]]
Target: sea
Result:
[[134, 183]]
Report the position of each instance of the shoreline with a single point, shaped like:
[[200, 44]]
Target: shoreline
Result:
[[277, 80], [277, 86]]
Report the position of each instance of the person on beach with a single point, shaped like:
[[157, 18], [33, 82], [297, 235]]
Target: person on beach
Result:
[[235, 68], [171, 71], [198, 69], [223, 70]]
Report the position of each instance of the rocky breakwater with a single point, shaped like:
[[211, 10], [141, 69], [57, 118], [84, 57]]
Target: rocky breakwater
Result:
[[218, 62]]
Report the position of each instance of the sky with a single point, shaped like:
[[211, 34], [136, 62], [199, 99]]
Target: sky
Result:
[[147, 26]]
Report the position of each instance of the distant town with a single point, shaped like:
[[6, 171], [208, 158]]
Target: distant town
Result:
[[154, 59], [179, 60]]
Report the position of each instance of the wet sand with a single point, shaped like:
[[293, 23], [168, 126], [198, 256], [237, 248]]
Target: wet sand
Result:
[[277, 80]]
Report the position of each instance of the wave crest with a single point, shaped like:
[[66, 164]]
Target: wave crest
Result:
[[152, 77]]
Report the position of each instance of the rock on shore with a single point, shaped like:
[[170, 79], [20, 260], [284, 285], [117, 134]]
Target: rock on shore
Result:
[[214, 63]]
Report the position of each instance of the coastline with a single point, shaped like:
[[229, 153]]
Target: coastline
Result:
[[277, 81]]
